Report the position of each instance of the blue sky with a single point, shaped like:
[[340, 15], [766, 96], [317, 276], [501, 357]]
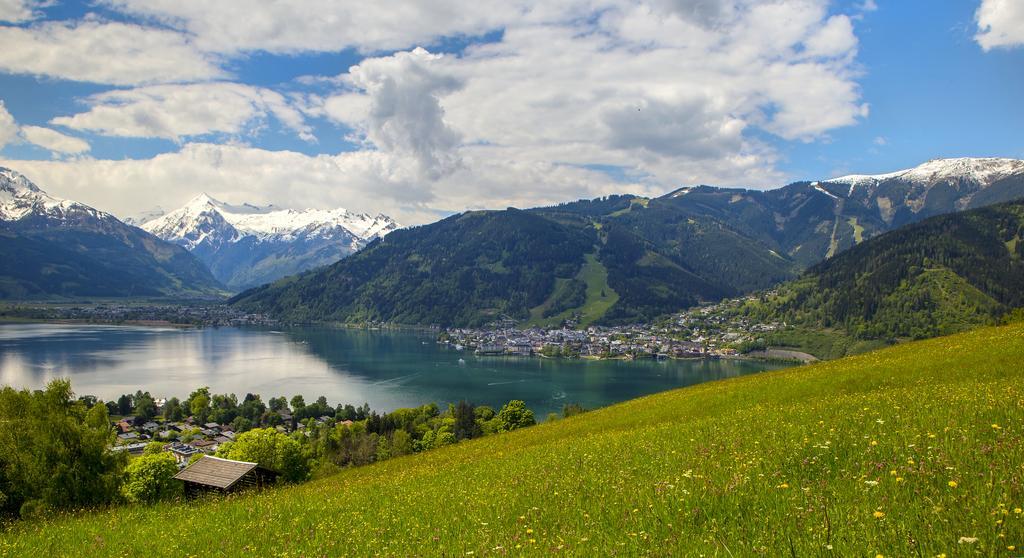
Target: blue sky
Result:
[[419, 111]]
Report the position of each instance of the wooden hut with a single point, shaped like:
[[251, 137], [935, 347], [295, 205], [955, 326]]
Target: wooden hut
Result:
[[213, 474]]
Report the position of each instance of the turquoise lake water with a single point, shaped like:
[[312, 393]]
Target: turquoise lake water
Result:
[[385, 369]]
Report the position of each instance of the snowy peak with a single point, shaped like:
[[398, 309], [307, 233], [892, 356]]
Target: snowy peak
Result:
[[203, 213], [980, 171], [247, 245], [21, 199]]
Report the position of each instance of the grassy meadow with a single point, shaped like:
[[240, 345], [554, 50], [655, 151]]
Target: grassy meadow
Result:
[[913, 450]]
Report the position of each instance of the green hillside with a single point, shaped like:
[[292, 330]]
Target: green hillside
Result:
[[915, 450], [544, 265], [940, 276]]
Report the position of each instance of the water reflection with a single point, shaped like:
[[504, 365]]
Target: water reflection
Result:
[[384, 369]]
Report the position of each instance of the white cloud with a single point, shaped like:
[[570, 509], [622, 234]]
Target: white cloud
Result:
[[1000, 24], [8, 126], [54, 140], [399, 110], [103, 52], [177, 111], [670, 92], [17, 11], [369, 181], [289, 26]]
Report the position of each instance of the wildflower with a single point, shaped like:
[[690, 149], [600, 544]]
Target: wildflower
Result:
[[967, 540], [952, 484], [1018, 511], [996, 427], [783, 485], [879, 514], [874, 443], [529, 531]]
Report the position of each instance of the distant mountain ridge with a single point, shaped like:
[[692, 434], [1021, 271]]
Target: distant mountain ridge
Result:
[[55, 247], [942, 275], [632, 258], [811, 221], [247, 245]]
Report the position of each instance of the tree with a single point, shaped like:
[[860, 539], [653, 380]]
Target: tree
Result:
[[153, 448], [173, 411], [150, 478], [124, 405], [54, 452], [278, 404], [298, 403], [272, 450], [515, 415], [465, 421], [240, 424], [200, 407], [145, 407], [401, 443]]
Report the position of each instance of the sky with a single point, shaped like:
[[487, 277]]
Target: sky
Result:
[[422, 109]]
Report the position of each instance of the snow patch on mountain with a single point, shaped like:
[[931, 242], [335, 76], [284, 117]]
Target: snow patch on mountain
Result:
[[205, 219], [982, 171], [20, 198]]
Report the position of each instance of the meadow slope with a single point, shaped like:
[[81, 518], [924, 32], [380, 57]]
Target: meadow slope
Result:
[[914, 450]]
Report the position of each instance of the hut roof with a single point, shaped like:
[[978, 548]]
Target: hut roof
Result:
[[214, 471]]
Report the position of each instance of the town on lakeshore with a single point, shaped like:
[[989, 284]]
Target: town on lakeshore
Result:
[[709, 331]]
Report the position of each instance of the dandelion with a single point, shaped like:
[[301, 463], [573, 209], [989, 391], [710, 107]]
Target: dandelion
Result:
[[783, 485], [1018, 511], [996, 427], [952, 484], [879, 514]]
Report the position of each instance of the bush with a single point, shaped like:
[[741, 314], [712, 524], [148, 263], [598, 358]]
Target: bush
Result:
[[272, 450], [150, 478]]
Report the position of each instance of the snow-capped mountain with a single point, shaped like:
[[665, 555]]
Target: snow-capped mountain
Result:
[[810, 221], [21, 200], [56, 247], [935, 187], [981, 171], [247, 245]]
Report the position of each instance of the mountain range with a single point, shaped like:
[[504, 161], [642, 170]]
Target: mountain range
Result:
[[56, 247], [940, 276], [626, 258], [247, 245]]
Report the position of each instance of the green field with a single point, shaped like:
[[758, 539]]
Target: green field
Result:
[[914, 450], [600, 297]]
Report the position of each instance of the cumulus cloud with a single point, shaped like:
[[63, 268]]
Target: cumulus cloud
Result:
[[53, 140], [398, 108], [1000, 24], [370, 181], [8, 126], [289, 26], [17, 11], [667, 92], [177, 111], [103, 52]]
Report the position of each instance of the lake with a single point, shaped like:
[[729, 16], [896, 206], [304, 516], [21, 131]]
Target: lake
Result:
[[385, 369]]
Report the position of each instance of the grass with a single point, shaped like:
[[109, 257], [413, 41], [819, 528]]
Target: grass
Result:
[[914, 450], [822, 343], [600, 297]]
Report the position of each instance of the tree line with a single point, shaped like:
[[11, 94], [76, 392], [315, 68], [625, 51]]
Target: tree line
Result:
[[56, 449]]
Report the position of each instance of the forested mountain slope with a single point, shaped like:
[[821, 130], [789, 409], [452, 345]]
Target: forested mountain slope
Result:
[[942, 275]]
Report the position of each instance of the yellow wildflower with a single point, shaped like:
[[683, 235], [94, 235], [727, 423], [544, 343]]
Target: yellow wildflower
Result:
[[879, 514], [952, 484]]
